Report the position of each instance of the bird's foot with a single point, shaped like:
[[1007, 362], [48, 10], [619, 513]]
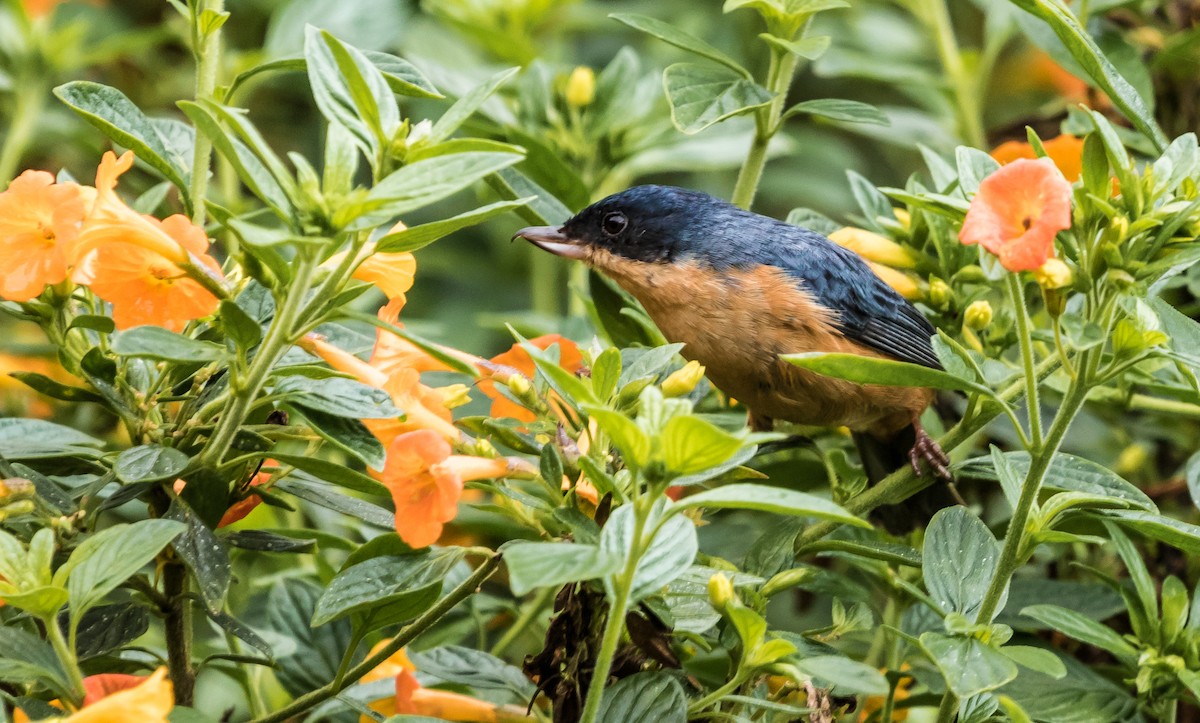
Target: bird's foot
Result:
[[926, 448]]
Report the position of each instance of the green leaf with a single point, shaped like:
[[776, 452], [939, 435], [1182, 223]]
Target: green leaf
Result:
[[869, 370], [691, 445], [421, 183], [418, 237], [203, 553], [1066, 473], [1093, 600], [474, 668], [31, 438], [57, 390], [239, 327], [403, 584], [969, 666], [959, 560], [701, 95], [466, 106], [844, 676], [350, 91], [545, 564], [837, 109], [666, 556], [1039, 659], [1085, 51], [349, 435], [1176, 533], [1083, 696], [325, 495], [973, 166], [769, 499], [338, 396], [335, 472], [108, 627], [110, 557], [402, 76], [312, 657], [652, 697], [114, 115], [25, 658], [809, 48], [149, 463], [1077, 626], [155, 342], [685, 41]]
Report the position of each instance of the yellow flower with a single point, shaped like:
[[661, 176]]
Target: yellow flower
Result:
[[681, 381], [1054, 274], [904, 284], [873, 247], [581, 87]]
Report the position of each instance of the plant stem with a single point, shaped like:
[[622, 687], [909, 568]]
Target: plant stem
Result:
[[179, 632], [404, 637], [717, 694], [615, 624], [766, 124], [66, 655], [948, 710], [1025, 342], [207, 52], [1040, 461], [524, 620], [966, 92], [30, 100]]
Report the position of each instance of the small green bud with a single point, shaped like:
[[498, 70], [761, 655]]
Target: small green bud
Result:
[[720, 592], [785, 580], [940, 293], [978, 315]]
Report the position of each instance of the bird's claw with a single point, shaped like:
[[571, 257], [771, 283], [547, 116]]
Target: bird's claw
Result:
[[926, 448]]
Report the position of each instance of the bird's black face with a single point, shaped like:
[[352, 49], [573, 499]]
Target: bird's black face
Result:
[[653, 224]]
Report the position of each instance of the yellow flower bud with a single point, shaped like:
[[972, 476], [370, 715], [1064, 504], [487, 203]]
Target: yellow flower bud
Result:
[[903, 216], [978, 315], [1054, 274], [15, 488], [720, 591], [785, 580], [581, 87], [940, 293], [1120, 227], [519, 385], [683, 380], [904, 284], [455, 395], [873, 247], [1132, 459]]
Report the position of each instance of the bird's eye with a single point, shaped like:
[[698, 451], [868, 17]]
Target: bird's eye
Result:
[[614, 223]]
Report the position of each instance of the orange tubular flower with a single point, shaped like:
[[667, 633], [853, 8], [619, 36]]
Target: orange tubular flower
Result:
[[1017, 213], [238, 510], [1066, 151], [519, 359], [426, 480], [136, 262], [390, 273], [39, 220], [116, 698], [392, 352]]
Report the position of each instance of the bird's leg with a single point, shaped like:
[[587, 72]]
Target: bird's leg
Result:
[[926, 448]]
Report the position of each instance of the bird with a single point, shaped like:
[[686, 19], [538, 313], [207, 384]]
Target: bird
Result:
[[740, 290]]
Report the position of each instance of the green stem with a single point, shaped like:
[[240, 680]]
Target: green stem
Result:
[[948, 710], [715, 696], [66, 656], [766, 124], [1025, 342], [179, 632], [347, 657], [1014, 539], [524, 620], [207, 52], [404, 637], [615, 624], [966, 91], [27, 111]]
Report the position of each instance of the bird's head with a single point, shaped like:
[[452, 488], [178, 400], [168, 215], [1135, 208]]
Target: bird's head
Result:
[[650, 224]]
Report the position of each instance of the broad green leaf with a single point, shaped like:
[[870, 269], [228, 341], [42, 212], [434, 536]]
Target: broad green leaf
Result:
[[959, 560], [108, 627], [149, 463], [668, 33], [869, 370], [239, 327], [843, 675], [269, 541], [1083, 696], [25, 658], [155, 342], [691, 445], [326, 495], [837, 109], [338, 396], [417, 237], [110, 111], [474, 668], [349, 435], [1066, 473], [204, 554], [770, 499], [421, 183], [1085, 51], [402, 76], [545, 564], [973, 166], [17, 434], [350, 91], [969, 666], [1083, 629], [1039, 659], [1176, 533], [312, 656], [701, 95], [335, 472], [466, 106], [1183, 330], [1092, 600], [651, 697], [666, 556], [809, 48], [111, 557], [403, 585]]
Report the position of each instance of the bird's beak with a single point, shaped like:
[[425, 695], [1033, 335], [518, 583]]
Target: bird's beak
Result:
[[552, 239]]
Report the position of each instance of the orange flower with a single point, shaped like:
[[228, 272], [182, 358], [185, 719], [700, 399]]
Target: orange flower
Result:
[[426, 480], [39, 220], [116, 698], [519, 359], [135, 262], [1017, 213], [391, 273], [1066, 151], [392, 352], [238, 510], [40, 8]]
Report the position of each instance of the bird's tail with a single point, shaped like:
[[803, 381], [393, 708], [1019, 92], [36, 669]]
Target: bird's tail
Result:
[[880, 458]]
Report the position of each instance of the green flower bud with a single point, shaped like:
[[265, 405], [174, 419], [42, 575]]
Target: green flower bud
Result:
[[978, 315], [720, 591]]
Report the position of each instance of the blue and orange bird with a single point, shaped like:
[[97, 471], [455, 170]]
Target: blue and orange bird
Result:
[[739, 289]]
